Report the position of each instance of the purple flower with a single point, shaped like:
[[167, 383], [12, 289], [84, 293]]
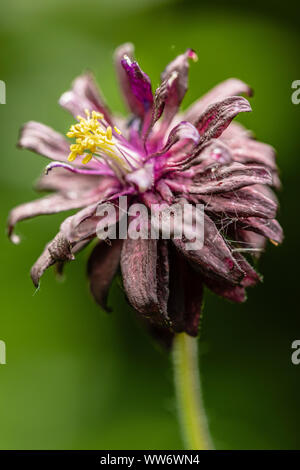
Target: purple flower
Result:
[[158, 156]]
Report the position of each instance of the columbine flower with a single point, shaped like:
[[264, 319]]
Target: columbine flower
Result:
[[158, 156]]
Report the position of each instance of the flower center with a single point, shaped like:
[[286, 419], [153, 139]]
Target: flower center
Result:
[[94, 138]]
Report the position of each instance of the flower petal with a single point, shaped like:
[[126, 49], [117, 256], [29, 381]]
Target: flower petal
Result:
[[44, 140], [214, 259], [269, 228], [134, 83], [245, 202], [58, 250], [174, 84], [218, 116], [186, 295], [182, 139], [102, 267], [84, 94], [247, 150], [48, 205], [250, 242], [66, 182], [145, 271], [226, 290], [230, 87], [223, 179]]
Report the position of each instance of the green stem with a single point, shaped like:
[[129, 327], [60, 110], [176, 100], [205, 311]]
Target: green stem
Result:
[[188, 393]]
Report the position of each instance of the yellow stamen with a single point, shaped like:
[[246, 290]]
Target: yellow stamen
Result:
[[273, 241], [117, 130], [91, 137], [87, 158], [109, 133]]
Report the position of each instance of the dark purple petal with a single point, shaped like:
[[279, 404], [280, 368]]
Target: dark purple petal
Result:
[[251, 277], [182, 139], [186, 295], [269, 228], [213, 154], [58, 250], [245, 202], [230, 87], [44, 140], [84, 94], [223, 179], [145, 271], [134, 83], [218, 116], [169, 95], [226, 290], [102, 267], [83, 225], [215, 259]]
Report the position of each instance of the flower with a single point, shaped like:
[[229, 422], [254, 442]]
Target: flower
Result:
[[158, 156]]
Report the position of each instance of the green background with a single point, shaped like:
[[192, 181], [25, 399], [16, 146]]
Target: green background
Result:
[[75, 377]]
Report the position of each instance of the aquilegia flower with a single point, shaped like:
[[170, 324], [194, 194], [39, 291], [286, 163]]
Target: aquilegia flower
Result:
[[158, 156]]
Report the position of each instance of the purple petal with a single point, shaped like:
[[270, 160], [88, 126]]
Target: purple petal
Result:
[[182, 139], [251, 277], [218, 116], [66, 181], [213, 154], [58, 250], [145, 271], [102, 267], [186, 295], [250, 242], [230, 87], [269, 228], [47, 205], [134, 83], [245, 202], [223, 179], [226, 290], [84, 94], [215, 259], [44, 140], [174, 84], [100, 169], [252, 151]]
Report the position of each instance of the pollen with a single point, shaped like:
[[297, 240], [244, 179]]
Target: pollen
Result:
[[91, 137]]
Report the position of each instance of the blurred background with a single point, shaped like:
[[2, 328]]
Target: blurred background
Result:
[[75, 377]]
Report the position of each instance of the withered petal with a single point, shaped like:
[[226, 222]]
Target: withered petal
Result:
[[244, 202], [186, 295], [230, 87], [269, 228], [229, 178], [135, 84], [44, 140], [58, 250], [145, 272], [48, 205], [218, 116], [102, 267], [84, 94], [214, 259]]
